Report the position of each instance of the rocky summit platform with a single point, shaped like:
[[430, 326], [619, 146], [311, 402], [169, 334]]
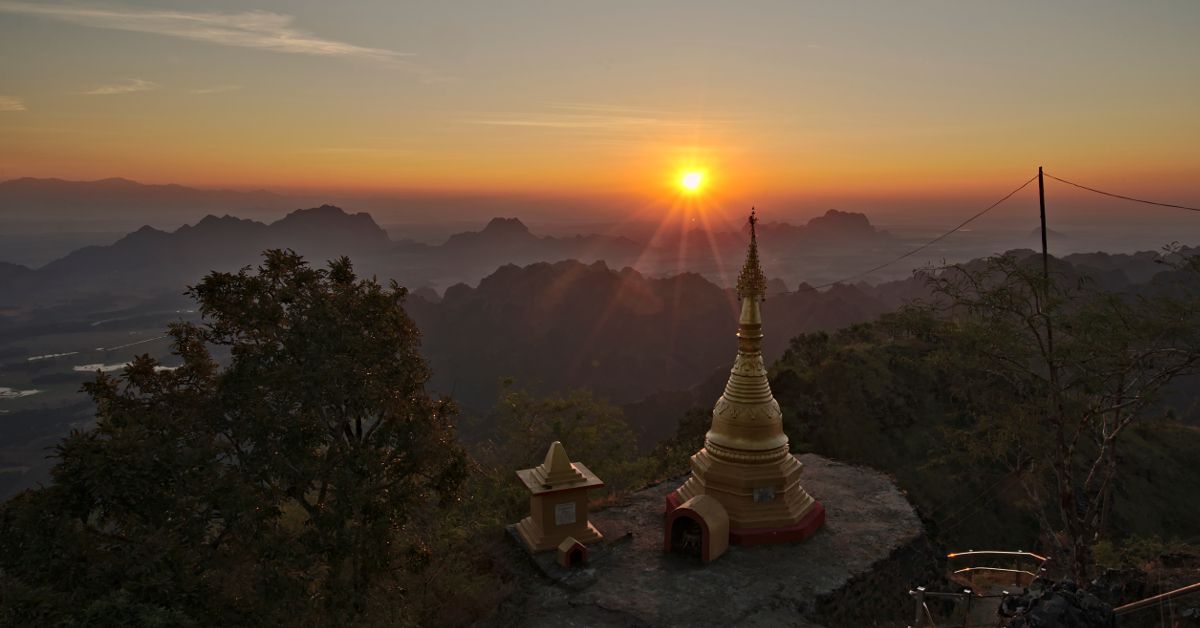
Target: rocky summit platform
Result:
[[630, 581]]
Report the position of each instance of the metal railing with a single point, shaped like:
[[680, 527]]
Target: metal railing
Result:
[[971, 598], [1153, 602], [986, 580]]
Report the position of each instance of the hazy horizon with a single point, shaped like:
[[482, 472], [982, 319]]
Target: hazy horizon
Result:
[[803, 105], [47, 235]]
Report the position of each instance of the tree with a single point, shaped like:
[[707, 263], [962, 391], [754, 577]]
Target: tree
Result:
[[877, 394], [1056, 371], [952, 398], [277, 486], [592, 430]]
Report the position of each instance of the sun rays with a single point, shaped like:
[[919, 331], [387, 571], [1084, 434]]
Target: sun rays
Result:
[[686, 221]]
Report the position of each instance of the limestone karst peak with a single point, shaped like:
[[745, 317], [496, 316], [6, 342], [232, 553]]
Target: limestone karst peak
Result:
[[506, 226]]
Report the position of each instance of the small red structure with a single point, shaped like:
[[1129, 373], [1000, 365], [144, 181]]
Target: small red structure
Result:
[[700, 525], [572, 553]]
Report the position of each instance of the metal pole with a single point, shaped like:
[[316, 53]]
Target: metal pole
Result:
[[1045, 254], [919, 598]]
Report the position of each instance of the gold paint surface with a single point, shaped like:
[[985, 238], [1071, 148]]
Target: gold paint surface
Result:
[[746, 463]]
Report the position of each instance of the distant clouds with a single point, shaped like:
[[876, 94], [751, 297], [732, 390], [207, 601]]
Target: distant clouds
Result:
[[128, 87], [249, 29], [215, 89], [8, 103], [592, 116], [134, 85]]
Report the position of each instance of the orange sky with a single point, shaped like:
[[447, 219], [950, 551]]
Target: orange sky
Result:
[[863, 100]]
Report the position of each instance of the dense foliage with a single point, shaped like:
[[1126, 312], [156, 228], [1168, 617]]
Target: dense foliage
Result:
[[999, 436], [278, 489]]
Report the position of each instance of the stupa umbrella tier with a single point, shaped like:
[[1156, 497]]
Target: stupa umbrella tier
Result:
[[752, 282], [558, 502], [746, 463]]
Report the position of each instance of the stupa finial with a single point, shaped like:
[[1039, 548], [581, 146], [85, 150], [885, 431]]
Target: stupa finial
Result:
[[751, 281]]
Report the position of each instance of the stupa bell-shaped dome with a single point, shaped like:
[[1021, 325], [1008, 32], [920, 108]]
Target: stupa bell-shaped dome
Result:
[[747, 422]]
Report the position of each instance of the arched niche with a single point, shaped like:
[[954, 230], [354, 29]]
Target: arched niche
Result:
[[703, 517]]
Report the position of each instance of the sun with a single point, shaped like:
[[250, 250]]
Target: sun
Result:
[[691, 181]]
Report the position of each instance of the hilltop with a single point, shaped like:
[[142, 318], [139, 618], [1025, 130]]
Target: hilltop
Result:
[[149, 261]]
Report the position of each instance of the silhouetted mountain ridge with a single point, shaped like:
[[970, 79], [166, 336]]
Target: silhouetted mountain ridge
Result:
[[149, 260], [833, 223], [511, 238], [152, 261]]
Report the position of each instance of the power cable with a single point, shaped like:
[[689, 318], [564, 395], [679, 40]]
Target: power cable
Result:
[[931, 242], [1122, 196]]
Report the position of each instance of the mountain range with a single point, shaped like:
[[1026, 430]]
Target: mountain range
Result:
[[149, 261], [518, 305]]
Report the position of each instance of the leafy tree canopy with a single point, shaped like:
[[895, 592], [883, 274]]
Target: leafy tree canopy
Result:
[[1017, 407], [270, 477]]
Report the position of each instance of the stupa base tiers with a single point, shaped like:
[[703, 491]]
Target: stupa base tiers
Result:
[[801, 530], [537, 540]]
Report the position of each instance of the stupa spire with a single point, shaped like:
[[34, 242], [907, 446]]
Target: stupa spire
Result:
[[751, 280], [748, 385]]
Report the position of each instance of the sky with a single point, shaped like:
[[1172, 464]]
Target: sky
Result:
[[857, 102]]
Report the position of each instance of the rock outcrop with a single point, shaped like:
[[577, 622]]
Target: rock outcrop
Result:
[[631, 582], [1056, 605]]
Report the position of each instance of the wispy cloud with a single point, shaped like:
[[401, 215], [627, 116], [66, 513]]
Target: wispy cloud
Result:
[[353, 150], [8, 103], [127, 87], [215, 89], [248, 29], [602, 117]]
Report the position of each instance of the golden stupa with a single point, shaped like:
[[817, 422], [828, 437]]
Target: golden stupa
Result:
[[746, 463]]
